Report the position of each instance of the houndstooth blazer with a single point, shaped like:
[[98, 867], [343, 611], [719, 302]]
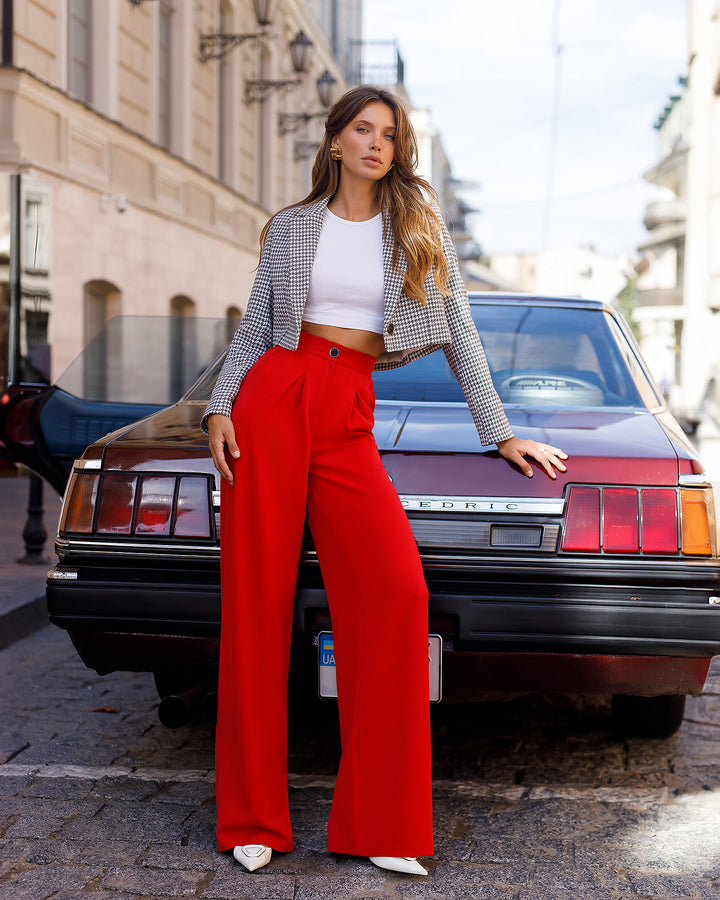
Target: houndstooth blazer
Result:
[[277, 301]]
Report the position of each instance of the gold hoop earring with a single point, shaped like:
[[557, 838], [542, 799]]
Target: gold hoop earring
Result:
[[336, 154]]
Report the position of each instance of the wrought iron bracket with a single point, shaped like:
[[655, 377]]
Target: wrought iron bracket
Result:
[[259, 89], [215, 46], [291, 122], [305, 149]]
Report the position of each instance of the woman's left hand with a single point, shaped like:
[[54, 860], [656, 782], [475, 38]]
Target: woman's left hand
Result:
[[515, 450]]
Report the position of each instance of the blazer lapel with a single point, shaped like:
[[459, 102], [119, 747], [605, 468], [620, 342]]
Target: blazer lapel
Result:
[[303, 237], [393, 276]]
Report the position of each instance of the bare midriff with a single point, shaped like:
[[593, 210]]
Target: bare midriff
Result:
[[354, 338]]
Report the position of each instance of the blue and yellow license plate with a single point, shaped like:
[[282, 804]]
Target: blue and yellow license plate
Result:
[[327, 680]]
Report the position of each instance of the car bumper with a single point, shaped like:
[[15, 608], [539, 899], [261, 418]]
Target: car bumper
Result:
[[510, 616]]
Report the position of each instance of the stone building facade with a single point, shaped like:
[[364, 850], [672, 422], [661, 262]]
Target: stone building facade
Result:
[[150, 152]]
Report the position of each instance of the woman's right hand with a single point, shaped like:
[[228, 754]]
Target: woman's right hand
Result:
[[221, 431]]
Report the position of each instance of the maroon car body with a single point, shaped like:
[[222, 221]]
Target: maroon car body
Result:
[[605, 580]]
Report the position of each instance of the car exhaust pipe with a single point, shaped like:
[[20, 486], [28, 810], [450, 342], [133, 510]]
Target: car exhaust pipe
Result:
[[178, 709], [209, 707]]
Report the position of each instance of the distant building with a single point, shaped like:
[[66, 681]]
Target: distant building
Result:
[[700, 348], [660, 310], [678, 311], [563, 271]]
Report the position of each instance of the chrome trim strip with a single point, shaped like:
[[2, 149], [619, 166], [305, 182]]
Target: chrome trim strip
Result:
[[693, 480], [175, 549], [58, 573], [542, 506], [87, 464]]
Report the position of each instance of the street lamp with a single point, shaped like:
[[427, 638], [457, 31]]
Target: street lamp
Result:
[[300, 48], [215, 46], [325, 85], [264, 12], [258, 89]]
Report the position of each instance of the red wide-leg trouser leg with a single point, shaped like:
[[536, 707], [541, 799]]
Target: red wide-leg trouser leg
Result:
[[371, 569], [304, 425], [262, 522]]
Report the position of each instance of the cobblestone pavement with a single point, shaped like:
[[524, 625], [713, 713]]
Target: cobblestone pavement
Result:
[[533, 799]]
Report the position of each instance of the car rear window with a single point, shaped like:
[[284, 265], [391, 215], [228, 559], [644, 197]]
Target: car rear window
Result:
[[538, 356]]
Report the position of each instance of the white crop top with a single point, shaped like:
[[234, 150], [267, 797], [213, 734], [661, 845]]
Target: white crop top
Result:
[[347, 286]]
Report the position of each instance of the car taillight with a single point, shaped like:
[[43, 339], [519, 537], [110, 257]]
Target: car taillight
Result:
[[696, 518], [639, 520], [659, 521], [134, 504], [155, 508], [582, 522], [116, 504], [193, 508], [79, 505], [620, 520]]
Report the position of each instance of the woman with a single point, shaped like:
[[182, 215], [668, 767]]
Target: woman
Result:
[[360, 275]]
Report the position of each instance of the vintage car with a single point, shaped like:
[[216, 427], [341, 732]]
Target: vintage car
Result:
[[604, 581]]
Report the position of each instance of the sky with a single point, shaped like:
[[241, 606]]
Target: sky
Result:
[[488, 71]]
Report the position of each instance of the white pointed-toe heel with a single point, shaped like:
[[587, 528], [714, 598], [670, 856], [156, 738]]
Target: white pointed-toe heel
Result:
[[406, 864], [253, 856]]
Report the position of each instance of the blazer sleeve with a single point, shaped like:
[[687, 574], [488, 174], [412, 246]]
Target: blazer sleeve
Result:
[[466, 356], [252, 338]]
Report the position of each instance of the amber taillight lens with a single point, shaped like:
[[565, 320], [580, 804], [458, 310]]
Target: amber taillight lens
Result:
[[697, 514], [79, 506]]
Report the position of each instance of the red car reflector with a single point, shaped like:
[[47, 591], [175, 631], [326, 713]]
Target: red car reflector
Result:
[[659, 521], [155, 505], [192, 518], [620, 520], [79, 508], [116, 504], [582, 521]]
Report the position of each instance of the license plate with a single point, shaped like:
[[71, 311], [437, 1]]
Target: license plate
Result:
[[327, 680]]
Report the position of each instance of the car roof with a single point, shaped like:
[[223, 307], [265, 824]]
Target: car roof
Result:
[[505, 298]]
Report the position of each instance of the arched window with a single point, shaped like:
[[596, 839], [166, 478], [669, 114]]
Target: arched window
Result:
[[232, 320], [101, 369], [183, 351]]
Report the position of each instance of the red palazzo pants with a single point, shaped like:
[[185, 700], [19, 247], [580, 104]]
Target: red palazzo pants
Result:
[[304, 422]]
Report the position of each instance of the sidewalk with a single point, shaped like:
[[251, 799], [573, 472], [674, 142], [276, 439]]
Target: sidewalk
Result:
[[22, 586]]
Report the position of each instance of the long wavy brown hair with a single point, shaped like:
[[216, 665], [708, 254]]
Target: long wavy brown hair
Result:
[[415, 225]]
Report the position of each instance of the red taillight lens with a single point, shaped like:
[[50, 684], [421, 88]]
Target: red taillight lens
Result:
[[582, 522], [79, 507], [155, 506], [117, 501], [659, 521], [620, 520], [192, 518]]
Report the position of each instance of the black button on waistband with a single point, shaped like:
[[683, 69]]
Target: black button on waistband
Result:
[[334, 352], [390, 328]]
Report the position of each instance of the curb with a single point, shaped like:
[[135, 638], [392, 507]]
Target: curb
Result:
[[22, 621]]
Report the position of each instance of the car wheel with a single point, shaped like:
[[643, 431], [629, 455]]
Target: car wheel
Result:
[[652, 717]]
